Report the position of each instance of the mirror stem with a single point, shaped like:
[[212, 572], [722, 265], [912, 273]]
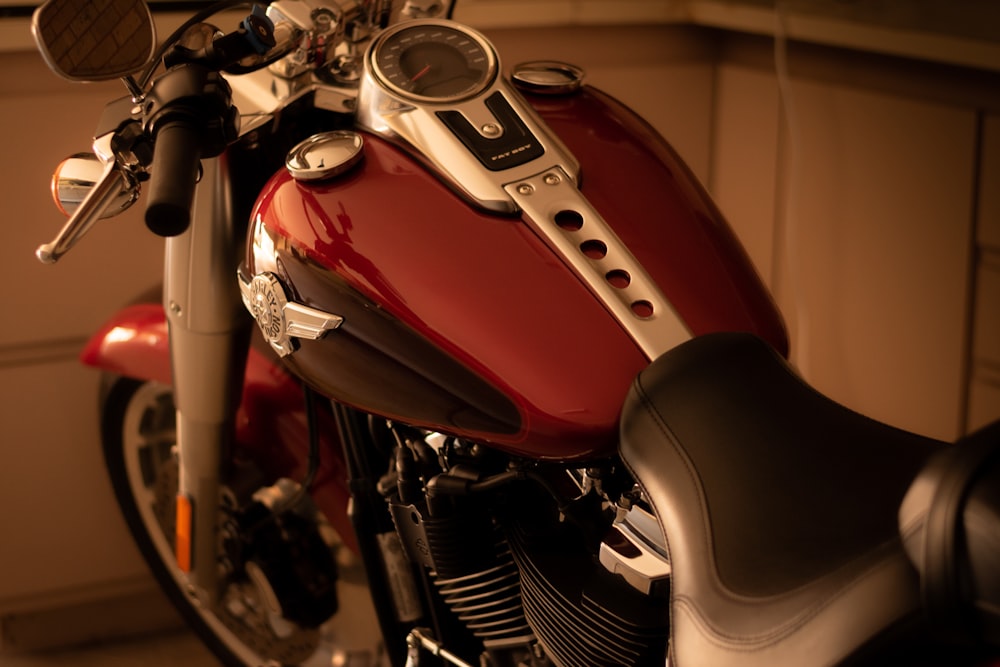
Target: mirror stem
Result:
[[134, 89]]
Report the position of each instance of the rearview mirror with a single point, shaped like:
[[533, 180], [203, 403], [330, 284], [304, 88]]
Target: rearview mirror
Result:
[[94, 41]]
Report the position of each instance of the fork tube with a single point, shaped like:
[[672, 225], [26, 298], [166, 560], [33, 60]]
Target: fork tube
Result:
[[208, 345]]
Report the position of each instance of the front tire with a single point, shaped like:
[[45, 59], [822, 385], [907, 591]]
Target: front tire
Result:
[[139, 442]]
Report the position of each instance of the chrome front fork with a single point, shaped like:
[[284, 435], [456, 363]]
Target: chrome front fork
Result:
[[208, 345]]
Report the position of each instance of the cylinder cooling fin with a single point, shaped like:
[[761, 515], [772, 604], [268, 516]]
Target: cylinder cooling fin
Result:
[[489, 602], [581, 613], [516, 564], [474, 571]]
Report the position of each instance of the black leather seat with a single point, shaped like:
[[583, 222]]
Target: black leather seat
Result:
[[779, 507]]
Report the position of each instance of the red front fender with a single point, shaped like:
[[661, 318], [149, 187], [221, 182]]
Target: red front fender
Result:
[[133, 343], [271, 424]]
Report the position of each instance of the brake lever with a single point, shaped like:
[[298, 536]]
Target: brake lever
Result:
[[101, 196]]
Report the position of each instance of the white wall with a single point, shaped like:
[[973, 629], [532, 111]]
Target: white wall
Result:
[[858, 205], [64, 539]]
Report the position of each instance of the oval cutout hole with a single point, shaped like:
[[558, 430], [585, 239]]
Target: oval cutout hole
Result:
[[642, 309], [618, 278], [569, 220], [594, 249]]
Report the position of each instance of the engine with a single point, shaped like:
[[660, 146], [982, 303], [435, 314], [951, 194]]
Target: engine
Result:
[[529, 565]]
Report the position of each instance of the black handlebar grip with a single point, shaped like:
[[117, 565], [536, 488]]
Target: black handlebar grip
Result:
[[174, 173]]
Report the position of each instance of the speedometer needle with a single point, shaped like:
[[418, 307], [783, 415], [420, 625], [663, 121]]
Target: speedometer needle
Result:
[[425, 70]]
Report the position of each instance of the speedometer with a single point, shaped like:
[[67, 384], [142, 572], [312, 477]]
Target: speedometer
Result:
[[431, 61]]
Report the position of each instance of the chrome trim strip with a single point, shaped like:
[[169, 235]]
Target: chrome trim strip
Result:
[[638, 561], [309, 323], [559, 213]]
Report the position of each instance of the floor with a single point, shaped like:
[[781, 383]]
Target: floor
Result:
[[176, 648], [168, 649], [169, 643]]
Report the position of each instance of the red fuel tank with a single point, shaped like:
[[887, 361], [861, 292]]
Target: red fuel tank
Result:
[[463, 321]]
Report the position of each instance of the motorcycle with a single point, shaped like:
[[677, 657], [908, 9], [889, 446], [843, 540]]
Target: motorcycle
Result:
[[508, 356]]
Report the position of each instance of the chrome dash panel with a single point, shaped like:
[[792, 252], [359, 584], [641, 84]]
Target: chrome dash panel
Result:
[[445, 134], [560, 214], [492, 147]]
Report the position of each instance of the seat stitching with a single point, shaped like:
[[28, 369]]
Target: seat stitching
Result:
[[762, 640]]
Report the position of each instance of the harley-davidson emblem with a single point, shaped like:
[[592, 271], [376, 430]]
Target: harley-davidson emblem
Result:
[[280, 320], [266, 304]]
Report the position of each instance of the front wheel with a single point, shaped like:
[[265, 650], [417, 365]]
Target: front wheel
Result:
[[139, 442]]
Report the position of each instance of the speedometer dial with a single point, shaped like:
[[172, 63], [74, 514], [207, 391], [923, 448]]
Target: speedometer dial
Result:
[[433, 62]]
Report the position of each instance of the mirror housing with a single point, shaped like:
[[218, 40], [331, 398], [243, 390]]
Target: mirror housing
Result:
[[94, 41]]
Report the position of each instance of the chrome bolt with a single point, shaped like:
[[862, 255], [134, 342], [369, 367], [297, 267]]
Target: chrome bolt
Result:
[[525, 189], [491, 130], [552, 179]]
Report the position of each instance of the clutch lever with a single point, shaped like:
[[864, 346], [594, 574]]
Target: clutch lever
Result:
[[105, 192]]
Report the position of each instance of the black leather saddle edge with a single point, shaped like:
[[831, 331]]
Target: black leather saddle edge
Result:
[[779, 506], [950, 521]]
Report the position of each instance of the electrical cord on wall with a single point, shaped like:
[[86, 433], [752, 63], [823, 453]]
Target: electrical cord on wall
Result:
[[786, 233]]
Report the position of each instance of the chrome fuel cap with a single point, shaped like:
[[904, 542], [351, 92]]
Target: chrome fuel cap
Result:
[[325, 155], [547, 77]]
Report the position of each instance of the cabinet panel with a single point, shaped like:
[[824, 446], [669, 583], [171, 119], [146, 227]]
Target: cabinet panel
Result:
[[65, 539], [115, 262], [855, 204], [988, 233], [744, 159], [880, 219]]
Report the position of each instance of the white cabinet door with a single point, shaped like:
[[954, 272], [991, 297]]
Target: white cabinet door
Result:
[[857, 207], [64, 539]]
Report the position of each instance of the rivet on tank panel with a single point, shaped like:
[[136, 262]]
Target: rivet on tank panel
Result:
[[325, 155]]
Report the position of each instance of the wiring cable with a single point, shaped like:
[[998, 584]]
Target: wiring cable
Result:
[[787, 233]]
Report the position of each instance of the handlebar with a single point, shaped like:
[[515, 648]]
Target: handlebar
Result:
[[190, 116], [188, 113], [175, 167]]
